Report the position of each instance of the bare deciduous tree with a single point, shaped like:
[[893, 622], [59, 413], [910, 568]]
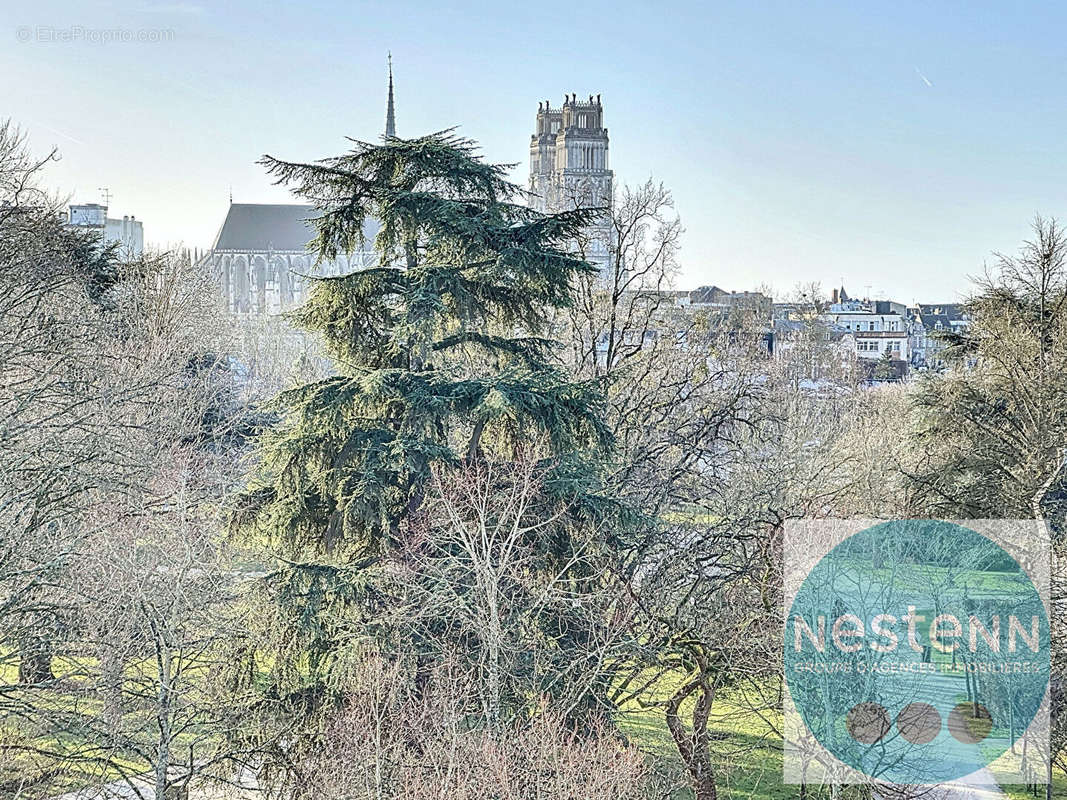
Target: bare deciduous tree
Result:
[[387, 743], [114, 412], [522, 590], [616, 312]]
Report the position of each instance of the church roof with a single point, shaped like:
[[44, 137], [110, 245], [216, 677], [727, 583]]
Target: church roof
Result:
[[261, 227]]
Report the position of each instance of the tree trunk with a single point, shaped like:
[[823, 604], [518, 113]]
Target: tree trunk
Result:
[[164, 698], [494, 645], [694, 747], [111, 686], [35, 660]]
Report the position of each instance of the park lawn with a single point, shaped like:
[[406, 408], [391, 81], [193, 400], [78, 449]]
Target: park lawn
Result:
[[746, 748], [40, 777], [1019, 792], [923, 576], [748, 756], [77, 760]]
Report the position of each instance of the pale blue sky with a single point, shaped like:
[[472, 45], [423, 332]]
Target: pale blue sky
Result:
[[893, 145]]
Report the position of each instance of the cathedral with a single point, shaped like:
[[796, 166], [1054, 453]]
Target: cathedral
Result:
[[569, 165], [260, 253]]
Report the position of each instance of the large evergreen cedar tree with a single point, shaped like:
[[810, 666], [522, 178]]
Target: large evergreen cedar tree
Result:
[[440, 359]]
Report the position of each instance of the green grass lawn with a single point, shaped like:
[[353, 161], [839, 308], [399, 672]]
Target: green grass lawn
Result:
[[42, 762], [1019, 792], [748, 756], [747, 752], [979, 582], [746, 749]]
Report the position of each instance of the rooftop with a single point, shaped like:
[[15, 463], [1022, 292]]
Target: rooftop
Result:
[[263, 226]]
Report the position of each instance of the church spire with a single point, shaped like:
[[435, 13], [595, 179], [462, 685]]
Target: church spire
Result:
[[390, 117]]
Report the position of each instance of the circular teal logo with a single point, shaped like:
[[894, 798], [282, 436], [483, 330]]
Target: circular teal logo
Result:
[[917, 651]]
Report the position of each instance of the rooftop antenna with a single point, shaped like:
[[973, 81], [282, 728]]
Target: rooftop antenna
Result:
[[105, 192]]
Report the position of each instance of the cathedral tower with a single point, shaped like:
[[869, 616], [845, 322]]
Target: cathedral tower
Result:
[[569, 164]]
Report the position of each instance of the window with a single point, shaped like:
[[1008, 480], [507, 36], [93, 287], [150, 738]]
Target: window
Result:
[[870, 325]]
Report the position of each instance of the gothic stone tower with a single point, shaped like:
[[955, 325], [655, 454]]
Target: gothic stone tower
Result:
[[569, 165]]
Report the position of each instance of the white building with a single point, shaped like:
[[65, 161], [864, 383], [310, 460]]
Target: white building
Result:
[[929, 322], [128, 232], [879, 327]]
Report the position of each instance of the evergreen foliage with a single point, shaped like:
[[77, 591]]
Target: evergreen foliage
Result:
[[439, 350], [884, 370], [441, 360]]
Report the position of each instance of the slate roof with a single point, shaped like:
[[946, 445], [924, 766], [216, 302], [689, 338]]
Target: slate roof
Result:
[[930, 314], [930, 322], [952, 311], [707, 294], [262, 226]]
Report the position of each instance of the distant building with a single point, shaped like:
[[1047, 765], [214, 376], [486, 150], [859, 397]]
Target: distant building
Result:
[[723, 308], [812, 349], [792, 310], [261, 258], [691, 320], [755, 304], [881, 329], [128, 232], [569, 166], [929, 321], [260, 254]]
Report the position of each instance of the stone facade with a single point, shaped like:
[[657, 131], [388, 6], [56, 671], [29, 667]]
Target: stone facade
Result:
[[569, 165], [261, 259]]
